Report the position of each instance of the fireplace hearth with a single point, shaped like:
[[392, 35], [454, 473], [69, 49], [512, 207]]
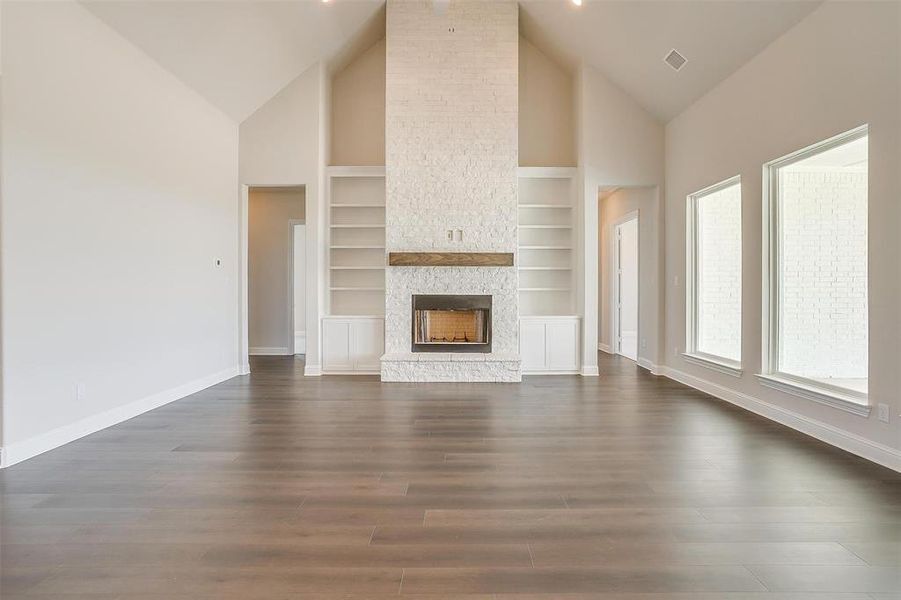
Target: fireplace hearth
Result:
[[453, 323]]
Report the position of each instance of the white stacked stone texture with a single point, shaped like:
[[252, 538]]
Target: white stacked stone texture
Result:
[[451, 163]]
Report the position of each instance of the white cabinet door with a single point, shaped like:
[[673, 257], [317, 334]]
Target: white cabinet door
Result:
[[532, 345], [336, 345], [368, 339], [562, 345]]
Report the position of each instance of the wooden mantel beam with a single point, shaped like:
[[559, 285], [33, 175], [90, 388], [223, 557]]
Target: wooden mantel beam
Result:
[[450, 259]]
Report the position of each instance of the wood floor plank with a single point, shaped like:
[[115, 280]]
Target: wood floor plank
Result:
[[830, 579], [564, 580], [277, 486], [712, 553]]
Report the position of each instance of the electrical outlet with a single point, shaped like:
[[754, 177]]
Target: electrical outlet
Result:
[[80, 392], [675, 281], [450, 235], [883, 413]]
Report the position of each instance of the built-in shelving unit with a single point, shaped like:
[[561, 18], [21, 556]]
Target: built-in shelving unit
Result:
[[356, 237], [546, 241]]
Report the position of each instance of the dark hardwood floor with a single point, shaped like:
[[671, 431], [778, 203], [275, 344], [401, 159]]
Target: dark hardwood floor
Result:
[[623, 487]]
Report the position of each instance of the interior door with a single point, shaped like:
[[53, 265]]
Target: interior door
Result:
[[626, 252]]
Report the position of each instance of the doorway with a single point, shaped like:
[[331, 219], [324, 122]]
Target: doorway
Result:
[[625, 287], [276, 268]]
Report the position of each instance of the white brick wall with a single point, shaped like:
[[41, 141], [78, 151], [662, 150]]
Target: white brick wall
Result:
[[719, 273], [451, 153], [824, 265]]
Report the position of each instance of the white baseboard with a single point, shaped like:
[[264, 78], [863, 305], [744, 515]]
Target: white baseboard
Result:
[[268, 351], [647, 364], [19, 451], [312, 370], [604, 348], [564, 372], [244, 369], [349, 373], [589, 371], [300, 342], [872, 451]]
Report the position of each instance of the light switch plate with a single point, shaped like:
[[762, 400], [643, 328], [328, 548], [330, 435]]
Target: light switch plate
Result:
[[883, 413]]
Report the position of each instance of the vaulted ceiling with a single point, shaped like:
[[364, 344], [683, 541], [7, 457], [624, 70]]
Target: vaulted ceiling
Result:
[[237, 54], [627, 40], [240, 53]]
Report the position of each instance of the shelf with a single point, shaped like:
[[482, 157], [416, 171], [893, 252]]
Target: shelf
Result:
[[545, 268], [345, 317], [339, 268], [547, 172], [356, 171], [566, 206], [356, 261]]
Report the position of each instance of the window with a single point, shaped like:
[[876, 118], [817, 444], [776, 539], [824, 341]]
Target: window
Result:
[[714, 277], [816, 271]]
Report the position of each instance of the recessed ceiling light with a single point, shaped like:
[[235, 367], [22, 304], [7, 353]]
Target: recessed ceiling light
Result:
[[577, 2]]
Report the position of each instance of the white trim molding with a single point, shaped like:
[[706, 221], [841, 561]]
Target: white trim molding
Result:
[[589, 371], [312, 370], [712, 363], [44, 442], [300, 342], [646, 364], [870, 450], [604, 348], [837, 400], [269, 351]]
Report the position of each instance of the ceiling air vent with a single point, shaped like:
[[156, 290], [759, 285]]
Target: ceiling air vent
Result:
[[675, 60]]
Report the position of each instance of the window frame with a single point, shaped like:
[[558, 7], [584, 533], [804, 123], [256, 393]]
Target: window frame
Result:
[[692, 354], [770, 376]]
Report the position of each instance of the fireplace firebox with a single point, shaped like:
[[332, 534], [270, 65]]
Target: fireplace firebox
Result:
[[451, 323]]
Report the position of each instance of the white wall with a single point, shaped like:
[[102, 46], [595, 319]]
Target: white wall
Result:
[[613, 208], [284, 143], [358, 110], [547, 128], [270, 242], [837, 69], [619, 144], [119, 195]]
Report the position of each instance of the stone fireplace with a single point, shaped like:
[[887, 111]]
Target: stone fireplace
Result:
[[451, 160]]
